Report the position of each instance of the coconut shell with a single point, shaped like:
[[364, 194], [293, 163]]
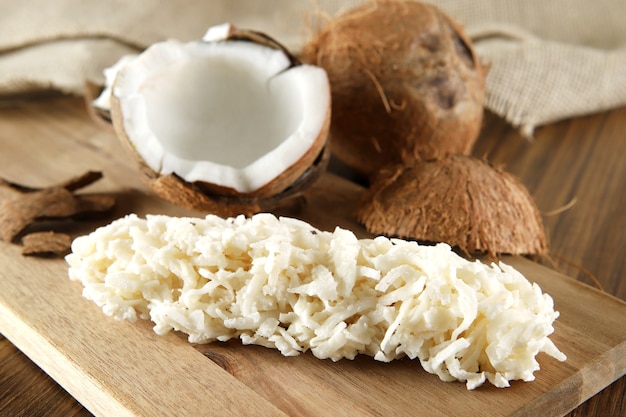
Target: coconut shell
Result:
[[184, 194], [460, 200], [202, 196], [30, 205], [46, 244], [405, 81]]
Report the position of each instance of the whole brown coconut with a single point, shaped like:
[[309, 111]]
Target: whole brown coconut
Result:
[[405, 84], [458, 199]]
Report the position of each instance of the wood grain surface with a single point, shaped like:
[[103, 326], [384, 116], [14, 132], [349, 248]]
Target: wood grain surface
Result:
[[574, 169]]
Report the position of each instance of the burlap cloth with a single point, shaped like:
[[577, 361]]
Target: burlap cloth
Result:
[[549, 60]]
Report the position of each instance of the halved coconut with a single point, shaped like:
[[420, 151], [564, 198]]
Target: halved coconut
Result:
[[233, 116], [459, 199]]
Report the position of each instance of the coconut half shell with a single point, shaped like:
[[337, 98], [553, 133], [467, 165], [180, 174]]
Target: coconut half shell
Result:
[[184, 194], [458, 199], [406, 84], [230, 124]]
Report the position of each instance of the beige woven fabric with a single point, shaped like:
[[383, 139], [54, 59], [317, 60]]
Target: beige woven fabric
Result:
[[549, 59]]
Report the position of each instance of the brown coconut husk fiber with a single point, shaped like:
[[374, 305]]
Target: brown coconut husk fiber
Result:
[[458, 199], [406, 84]]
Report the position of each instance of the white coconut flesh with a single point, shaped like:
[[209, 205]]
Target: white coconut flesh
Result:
[[232, 113]]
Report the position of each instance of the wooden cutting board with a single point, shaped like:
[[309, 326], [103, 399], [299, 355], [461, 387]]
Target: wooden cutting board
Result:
[[119, 368]]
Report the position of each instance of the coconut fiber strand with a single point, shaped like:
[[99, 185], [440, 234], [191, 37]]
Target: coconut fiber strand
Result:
[[549, 60]]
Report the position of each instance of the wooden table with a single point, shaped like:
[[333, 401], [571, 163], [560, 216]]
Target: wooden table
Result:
[[575, 169]]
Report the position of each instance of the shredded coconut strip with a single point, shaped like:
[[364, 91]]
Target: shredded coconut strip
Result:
[[280, 283]]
